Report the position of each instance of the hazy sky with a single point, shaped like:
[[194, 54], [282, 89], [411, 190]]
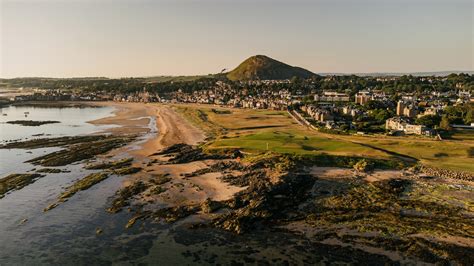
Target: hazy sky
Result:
[[183, 37]]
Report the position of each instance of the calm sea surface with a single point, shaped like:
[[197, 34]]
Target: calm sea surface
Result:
[[43, 237], [66, 235], [73, 121]]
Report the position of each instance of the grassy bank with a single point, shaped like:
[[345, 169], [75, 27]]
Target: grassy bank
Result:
[[264, 130]]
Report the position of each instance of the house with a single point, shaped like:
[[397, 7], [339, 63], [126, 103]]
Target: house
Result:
[[362, 97], [400, 107], [331, 96], [430, 111], [408, 110], [400, 124]]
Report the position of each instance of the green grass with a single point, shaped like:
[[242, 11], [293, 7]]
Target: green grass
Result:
[[292, 142], [251, 131], [452, 155]]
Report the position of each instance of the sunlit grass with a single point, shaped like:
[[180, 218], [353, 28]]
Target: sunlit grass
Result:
[[262, 130]]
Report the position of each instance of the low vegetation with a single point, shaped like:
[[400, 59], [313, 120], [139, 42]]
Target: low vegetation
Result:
[[363, 166], [386, 214]]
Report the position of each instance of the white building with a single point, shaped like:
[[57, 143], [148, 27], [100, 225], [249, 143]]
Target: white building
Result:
[[402, 125], [331, 96]]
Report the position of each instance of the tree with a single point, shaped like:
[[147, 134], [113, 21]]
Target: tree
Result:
[[428, 120], [295, 80], [469, 117], [380, 115], [445, 123], [374, 105]]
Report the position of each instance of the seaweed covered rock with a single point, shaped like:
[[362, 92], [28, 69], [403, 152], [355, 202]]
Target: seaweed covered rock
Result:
[[81, 151], [247, 178], [264, 201], [31, 123], [51, 170], [127, 170], [111, 164], [395, 186], [16, 182], [172, 214], [160, 179], [51, 142], [221, 166], [210, 206], [81, 184], [184, 153], [175, 148], [125, 194], [385, 214]]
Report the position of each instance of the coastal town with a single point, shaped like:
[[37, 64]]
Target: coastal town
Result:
[[265, 132], [373, 109]]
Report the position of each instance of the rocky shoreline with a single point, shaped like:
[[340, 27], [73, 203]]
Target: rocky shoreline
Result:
[[241, 195], [278, 190]]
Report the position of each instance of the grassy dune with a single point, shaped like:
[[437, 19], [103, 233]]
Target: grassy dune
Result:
[[259, 130]]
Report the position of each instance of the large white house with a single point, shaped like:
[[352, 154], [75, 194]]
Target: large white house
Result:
[[331, 96], [402, 125]]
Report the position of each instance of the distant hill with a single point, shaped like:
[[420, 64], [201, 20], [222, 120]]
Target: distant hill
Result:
[[262, 67]]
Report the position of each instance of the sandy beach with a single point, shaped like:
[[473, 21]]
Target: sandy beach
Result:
[[172, 128], [134, 118]]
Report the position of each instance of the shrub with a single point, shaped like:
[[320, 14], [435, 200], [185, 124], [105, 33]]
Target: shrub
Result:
[[363, 166]]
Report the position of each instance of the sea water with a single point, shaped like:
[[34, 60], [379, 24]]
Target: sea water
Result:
[[72, 122]]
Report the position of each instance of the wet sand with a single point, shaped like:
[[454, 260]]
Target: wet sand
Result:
[[134, 118]]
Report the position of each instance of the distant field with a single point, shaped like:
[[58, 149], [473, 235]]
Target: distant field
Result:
[[261, 130]]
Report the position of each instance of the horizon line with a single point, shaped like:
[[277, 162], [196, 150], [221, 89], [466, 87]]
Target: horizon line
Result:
[[447, 72]]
